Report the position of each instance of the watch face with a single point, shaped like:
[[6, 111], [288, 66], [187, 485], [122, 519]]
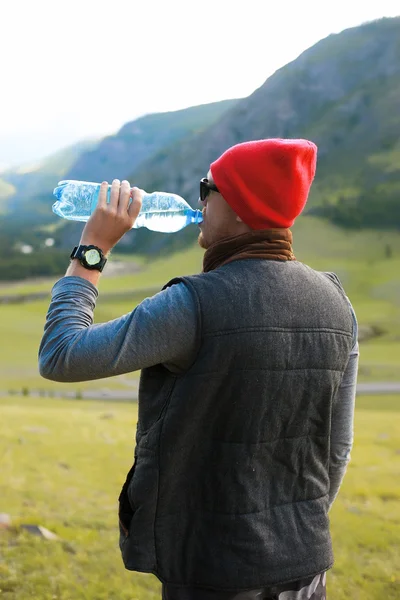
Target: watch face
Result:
[[92, 256]]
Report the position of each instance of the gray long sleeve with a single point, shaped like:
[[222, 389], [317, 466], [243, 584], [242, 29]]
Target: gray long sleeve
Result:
[[162, 329]]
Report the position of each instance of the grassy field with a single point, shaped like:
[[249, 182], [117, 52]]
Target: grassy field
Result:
[[359, 258], [63, 463], [22, 324]]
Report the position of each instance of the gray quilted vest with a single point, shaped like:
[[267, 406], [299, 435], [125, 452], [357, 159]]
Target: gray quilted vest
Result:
[[229, 488]]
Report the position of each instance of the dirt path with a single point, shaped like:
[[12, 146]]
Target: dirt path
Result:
[[131, 395]]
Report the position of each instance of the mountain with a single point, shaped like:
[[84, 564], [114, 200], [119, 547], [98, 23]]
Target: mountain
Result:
[[30, 187], [6, 190], [26, 219], [31, 180], [117, 156], [343, 93], [112, 157]]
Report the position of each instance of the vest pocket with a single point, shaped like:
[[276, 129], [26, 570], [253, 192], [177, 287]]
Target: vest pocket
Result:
[[126, 510]]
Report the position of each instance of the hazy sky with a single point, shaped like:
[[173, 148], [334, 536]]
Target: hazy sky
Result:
[[76, 69]]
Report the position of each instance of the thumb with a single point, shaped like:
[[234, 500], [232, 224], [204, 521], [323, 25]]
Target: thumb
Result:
[[136, 204]]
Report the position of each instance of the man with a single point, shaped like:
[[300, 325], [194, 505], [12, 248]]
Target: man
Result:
[[247, 387]]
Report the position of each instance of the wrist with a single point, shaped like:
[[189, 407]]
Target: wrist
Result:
[[92, 241], [75, 269]]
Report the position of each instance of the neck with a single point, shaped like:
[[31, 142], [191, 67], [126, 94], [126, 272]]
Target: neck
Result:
[[267, 244]]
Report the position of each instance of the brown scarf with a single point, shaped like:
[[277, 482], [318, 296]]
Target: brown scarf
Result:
[[270, 244]]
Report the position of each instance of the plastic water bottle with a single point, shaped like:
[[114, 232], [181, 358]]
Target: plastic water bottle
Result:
[[161, 211]]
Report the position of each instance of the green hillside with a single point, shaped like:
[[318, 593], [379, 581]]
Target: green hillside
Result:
[[31, 181], [6, 190], [118, 155], [343, 93], [27, 218], [360, 259]]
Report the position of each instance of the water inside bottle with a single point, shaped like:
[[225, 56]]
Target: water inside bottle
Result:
[[164, 222], [75, 199], [165, 213]]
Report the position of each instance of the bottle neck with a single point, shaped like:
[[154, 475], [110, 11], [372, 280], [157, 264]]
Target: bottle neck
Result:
[[195, 216]]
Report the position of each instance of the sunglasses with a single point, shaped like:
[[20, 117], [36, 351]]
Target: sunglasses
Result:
[[205, 188]]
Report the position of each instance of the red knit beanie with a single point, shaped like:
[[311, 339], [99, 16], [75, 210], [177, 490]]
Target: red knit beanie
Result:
[[266, 182]]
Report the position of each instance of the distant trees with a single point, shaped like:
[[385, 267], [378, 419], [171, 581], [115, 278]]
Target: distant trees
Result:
[[40, 263], [375, 209], [14, 264]]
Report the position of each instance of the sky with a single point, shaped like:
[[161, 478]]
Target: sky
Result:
[[72, 70]]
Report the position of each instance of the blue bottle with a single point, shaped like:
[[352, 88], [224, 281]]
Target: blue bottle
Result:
[[161, 211]]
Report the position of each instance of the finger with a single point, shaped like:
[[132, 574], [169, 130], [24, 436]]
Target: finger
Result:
[[124, 197], [136, 204], [102, 199], [114, 196]]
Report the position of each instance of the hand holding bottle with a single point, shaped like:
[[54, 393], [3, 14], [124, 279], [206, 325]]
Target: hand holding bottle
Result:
[[111, 220]]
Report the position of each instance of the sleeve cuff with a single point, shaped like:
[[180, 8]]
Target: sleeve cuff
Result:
[[79, 285]]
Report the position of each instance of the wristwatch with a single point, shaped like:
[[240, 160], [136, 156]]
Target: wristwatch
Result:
[[91, 257]]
